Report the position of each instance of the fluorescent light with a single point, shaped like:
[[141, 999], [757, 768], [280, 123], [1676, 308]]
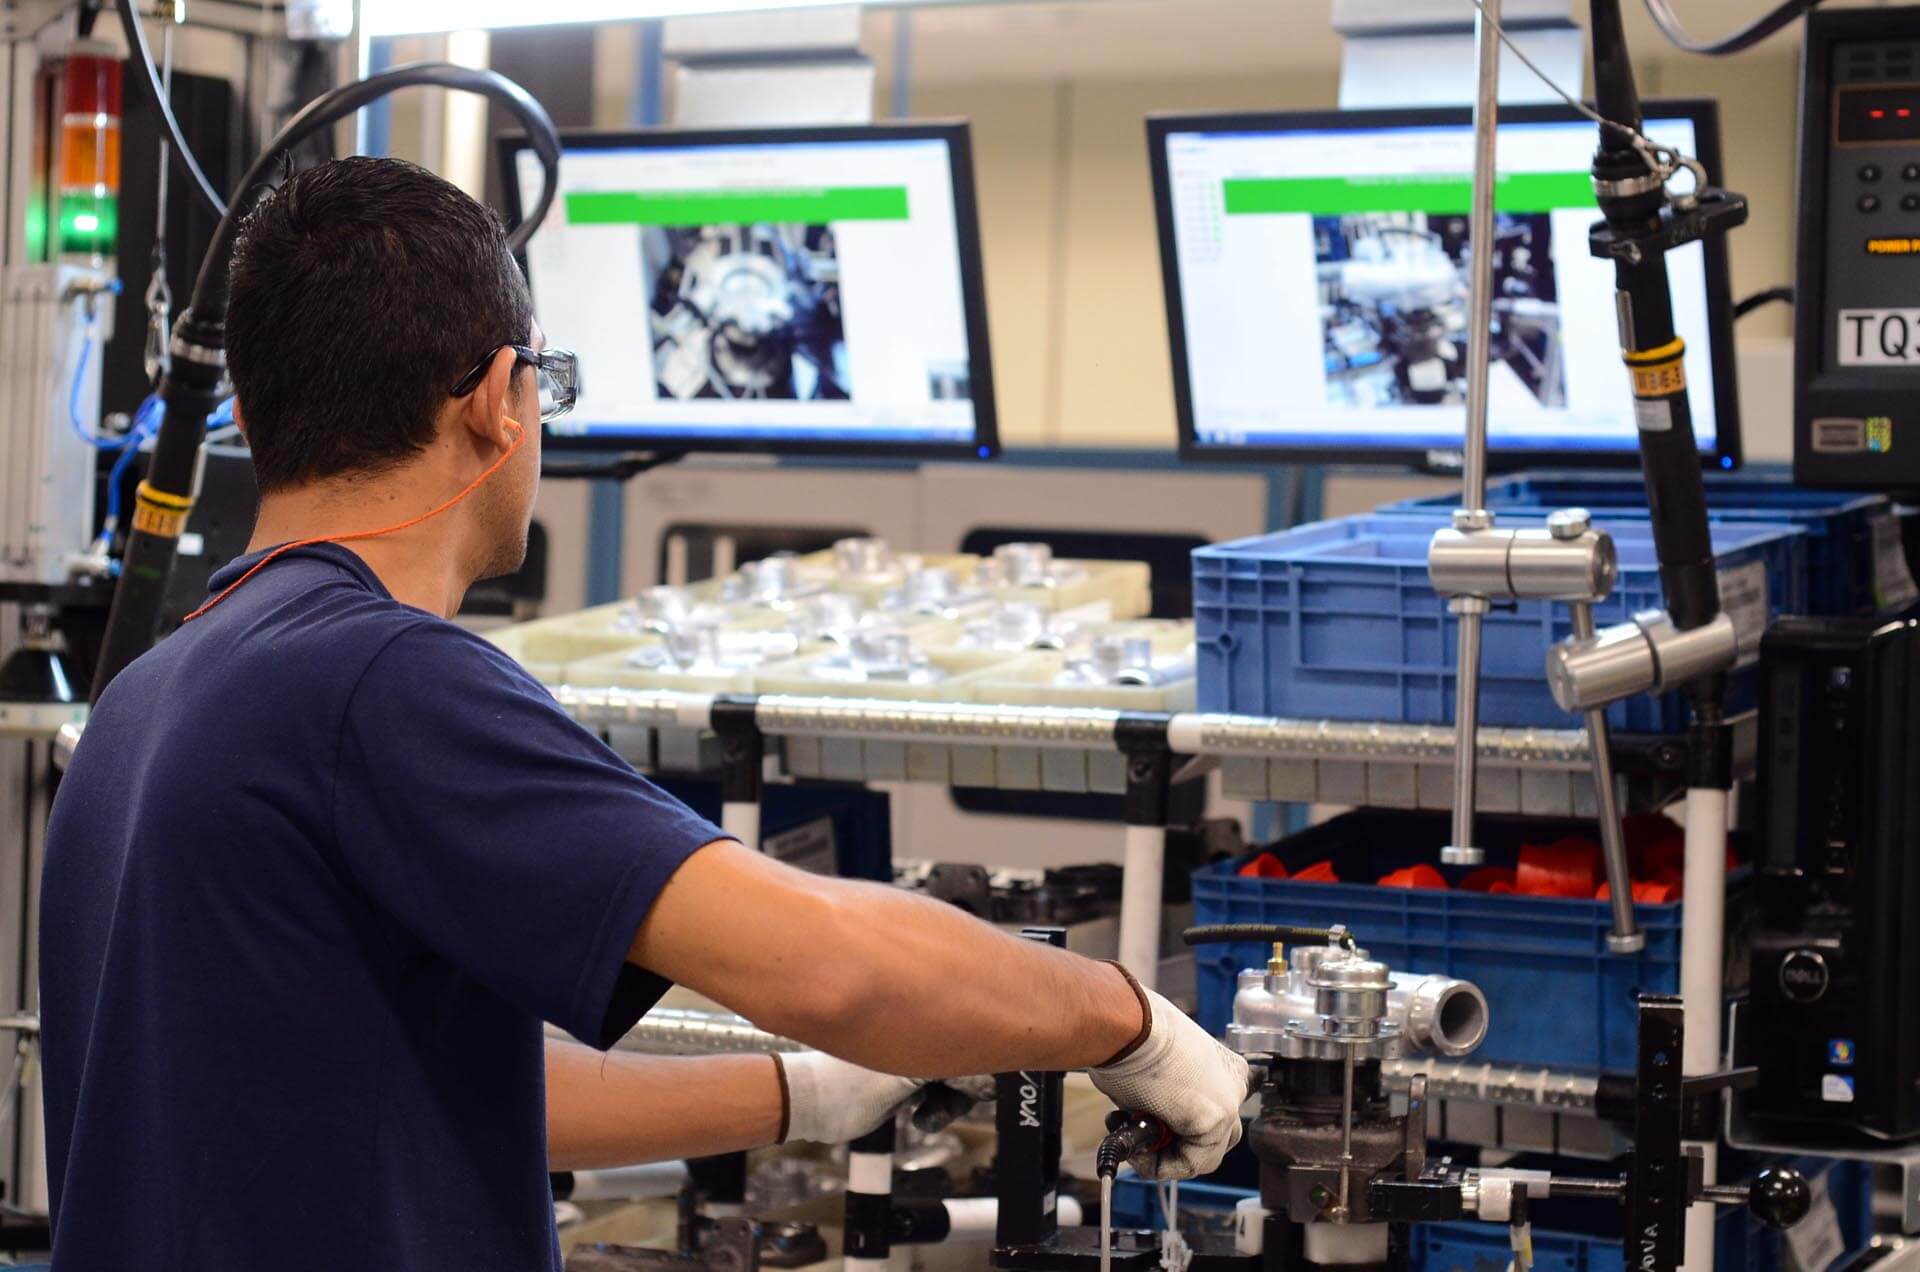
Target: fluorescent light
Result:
[[415, 17]]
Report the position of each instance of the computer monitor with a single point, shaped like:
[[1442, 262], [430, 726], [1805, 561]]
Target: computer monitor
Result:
[[813, 290], [1316, 272]]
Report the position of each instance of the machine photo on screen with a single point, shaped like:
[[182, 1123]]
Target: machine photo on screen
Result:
[[1317, 270], [809, 290]]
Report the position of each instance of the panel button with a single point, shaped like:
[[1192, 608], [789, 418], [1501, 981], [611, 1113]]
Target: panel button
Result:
[[1910, 203], [1870, 172], [1911, 172], [1869, 203]]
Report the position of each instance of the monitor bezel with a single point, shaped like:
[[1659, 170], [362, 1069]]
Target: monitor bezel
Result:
[[1701, 112], [985, 443]]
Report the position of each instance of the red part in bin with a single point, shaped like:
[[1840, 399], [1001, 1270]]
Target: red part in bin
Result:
[[1415, 876], [1265, 866], [1567, 867]]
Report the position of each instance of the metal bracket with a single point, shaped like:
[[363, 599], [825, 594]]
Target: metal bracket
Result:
[[1149, 758], [1902, 1160], [743, 750], [1656, 1192]]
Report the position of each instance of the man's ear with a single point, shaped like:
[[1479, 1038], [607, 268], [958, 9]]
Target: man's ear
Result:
[[486, 409]]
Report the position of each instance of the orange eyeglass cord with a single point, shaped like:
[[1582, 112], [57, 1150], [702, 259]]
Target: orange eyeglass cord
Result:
[[519, 436]]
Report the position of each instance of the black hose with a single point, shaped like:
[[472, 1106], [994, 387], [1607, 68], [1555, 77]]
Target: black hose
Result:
[[195, 377], [1772, 295], [1745, 38], [1222, 933], [147, 76], [210, 288]]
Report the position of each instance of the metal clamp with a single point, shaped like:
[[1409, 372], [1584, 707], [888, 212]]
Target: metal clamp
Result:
[[1472, 563], [1647, 654]]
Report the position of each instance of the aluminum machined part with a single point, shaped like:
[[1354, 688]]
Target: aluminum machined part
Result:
[[1349, 997], [1510, 1085], [1287, 1014], [1647, 654], [672, 1032]]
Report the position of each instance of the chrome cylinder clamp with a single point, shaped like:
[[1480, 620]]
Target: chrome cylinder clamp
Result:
[[1645, 655]]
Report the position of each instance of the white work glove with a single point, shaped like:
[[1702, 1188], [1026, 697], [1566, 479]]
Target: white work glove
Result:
[[1183, 1076], [829, 1101]]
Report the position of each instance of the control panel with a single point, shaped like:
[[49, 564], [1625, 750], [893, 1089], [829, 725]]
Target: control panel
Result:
[[1857, 294]]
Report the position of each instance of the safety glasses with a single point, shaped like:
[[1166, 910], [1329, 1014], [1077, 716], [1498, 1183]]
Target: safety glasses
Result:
[[558, 371]]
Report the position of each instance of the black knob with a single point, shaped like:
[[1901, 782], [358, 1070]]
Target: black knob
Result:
[[1870, 172], [1869, 203], [1780, 1197]]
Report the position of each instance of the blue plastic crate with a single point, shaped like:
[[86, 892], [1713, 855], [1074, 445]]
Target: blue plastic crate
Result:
[[1337, 621], [1839, 524], [1556, 995], [1741, 1242]]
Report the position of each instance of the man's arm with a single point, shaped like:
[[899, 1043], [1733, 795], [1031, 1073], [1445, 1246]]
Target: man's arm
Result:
[[878, 976], [620, 1108]]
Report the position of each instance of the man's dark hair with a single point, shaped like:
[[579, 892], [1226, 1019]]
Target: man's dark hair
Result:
[[361, 290]]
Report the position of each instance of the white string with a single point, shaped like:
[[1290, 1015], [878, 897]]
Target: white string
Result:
[[1175, 1253], [1544, 78], [1106, 1223], [1663, 159]]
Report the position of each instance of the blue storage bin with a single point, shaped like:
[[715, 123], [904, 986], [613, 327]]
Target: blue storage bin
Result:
[[1741, 1242], [1839, 524], [1337, 621], [1556, 995]]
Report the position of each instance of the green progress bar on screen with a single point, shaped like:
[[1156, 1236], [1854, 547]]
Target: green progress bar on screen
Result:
[[1441, 195], [816, 206]]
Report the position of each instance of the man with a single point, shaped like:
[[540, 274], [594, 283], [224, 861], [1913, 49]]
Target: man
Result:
[[323, 862]]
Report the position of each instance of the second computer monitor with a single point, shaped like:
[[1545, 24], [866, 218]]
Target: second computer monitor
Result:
[[1317, 277]]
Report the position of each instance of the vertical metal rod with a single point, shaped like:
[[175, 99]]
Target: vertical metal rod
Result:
[[1486, 117], [901, 104], [1626, 937], [1346, 1127], [1473, 465], [1468, 611]]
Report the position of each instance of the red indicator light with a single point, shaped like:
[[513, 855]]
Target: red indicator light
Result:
[[1876, 114], [1904, 113]]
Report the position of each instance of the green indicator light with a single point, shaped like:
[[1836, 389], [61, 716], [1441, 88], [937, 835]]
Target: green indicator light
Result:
[[89, 224], [36, 226]]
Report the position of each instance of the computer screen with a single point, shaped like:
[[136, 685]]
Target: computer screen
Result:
[[1317, 274], [808, 290]]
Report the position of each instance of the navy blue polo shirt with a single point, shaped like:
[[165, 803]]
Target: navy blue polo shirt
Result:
[[321, 866]]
